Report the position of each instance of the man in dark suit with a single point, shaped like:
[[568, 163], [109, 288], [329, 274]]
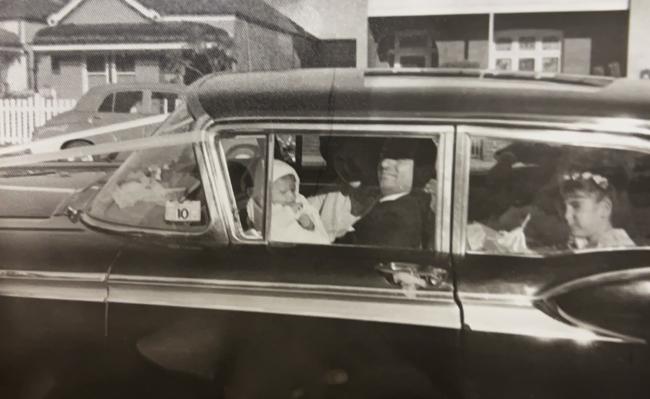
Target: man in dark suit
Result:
[[403, 216]]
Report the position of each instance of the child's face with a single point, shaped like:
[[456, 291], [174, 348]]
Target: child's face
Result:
[[284, 190], [586, 214]]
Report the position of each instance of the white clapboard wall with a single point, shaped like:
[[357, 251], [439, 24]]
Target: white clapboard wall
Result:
[[19, 117]]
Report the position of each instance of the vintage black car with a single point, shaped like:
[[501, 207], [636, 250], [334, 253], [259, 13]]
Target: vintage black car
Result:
[[340, 234]]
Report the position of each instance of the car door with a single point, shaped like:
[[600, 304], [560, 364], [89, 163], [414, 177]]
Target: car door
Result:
[[258, 317], [552, 307], [52, 283]]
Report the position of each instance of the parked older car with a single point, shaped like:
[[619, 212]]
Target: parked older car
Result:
[[110, 104], [427, 234]]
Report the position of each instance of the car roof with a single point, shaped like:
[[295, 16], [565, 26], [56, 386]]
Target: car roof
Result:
[[418, 93], [92, 98]]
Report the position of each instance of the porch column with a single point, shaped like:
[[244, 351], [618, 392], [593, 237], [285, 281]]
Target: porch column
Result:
[[491, 62], [638, 52]]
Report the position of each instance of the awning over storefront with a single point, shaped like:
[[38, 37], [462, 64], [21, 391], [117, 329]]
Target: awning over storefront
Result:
[[9, 42], [134, 36], [392, 8]]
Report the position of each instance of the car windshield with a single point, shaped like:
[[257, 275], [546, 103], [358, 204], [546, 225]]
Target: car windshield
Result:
[[179, 121], [156, 188]]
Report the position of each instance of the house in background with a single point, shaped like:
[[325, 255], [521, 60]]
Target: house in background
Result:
[[11, 50], [92, 42], [19, 22], [89, 42]]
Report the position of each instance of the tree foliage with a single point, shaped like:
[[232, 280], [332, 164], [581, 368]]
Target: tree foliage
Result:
[[203, 55]]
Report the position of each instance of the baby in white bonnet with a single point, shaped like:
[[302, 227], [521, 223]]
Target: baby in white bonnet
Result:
[[293, 218]]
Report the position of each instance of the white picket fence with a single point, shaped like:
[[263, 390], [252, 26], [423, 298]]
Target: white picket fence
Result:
[[19, 117]]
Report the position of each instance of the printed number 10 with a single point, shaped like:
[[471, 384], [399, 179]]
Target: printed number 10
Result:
[[183, 213]]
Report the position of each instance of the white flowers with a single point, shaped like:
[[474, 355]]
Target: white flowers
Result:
[[600, 180]]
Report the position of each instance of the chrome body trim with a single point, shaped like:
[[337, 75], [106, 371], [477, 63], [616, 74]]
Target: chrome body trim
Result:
[[37, 284], [602, 331], [524, 319], [354, 303], [597, 279]]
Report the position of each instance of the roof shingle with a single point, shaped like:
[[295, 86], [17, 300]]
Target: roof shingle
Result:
[[8, 39], [129, 33], [30, 10], [257, 11]]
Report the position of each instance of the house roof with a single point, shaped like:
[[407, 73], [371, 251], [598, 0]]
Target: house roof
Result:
[[257, 11], [154, 32], [8, 39], [30, 10]]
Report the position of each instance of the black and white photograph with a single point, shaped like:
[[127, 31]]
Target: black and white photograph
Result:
[[324, 199]]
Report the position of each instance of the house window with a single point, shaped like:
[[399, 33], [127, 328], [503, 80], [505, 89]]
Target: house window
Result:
[[164, 103], [124, 68], [110, 68], [528, 50], [55, 65], [96, 70], [414, 48]]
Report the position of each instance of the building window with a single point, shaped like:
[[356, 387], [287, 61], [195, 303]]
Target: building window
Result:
[[96, 70], [109, 68], [528, 50], [55, 65], [124, 68], [414, 48]]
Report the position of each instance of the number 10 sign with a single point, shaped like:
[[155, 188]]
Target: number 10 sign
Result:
[[186, 211]]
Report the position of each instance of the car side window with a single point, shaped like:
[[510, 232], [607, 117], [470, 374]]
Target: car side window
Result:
[[128, 102], [246, 165], [537, 198], [158, 189], [348, 190]]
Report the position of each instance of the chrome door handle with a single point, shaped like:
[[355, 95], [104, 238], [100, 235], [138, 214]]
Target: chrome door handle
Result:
[[416, 275]]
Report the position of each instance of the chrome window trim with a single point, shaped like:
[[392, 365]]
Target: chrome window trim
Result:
[[444, 162], [269, 156], [217, 220], [445, 203], [223, 192], [461, 192], [623, 126]]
